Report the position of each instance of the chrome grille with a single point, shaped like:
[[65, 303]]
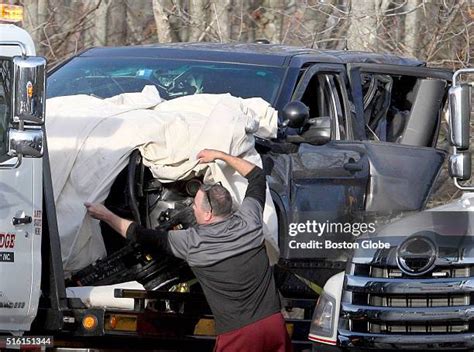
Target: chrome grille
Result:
[[377, 272], [412, 301], [417, 329], [386, 301]]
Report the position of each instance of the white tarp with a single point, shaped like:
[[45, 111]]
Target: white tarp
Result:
[[90, 141]]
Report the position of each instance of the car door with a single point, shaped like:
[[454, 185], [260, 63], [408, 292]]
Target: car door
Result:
[[401, 108], [326, 182]]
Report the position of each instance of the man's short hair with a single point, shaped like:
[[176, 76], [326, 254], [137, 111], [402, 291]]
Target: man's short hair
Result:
[[219, 198]]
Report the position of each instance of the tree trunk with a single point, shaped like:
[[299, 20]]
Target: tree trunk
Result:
[[252, 9], [221, 12], [117, 29], [412, 27], [42, 12], [198, 19], [163, 28], [362, 31], [35, 22], [139, 20], [236, 19], [101, 23], [30, 18], [320, 22]]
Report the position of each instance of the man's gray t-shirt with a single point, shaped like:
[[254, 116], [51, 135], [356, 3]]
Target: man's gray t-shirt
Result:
[[204, 245], [230, 261]]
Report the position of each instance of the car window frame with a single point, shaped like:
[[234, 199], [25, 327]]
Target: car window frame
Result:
[[339, 72], [354, 71]]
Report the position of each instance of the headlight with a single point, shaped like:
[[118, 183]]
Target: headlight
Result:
[[323, 317]]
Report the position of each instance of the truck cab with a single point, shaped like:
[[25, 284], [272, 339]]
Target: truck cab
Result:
[[22, 89]]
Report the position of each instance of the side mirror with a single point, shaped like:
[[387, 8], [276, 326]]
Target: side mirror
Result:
[[22, 144], [29, 88], [295, 114], [460, 115], [459, 125], [319, 130], [28, 143]]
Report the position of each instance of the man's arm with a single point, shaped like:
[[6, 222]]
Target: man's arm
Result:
[[257, 185], [254, 174], [149, 238], [100, 212], [240, 165], [157, 239]]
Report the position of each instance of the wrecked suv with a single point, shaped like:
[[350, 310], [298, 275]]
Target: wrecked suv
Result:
[[361, 148]]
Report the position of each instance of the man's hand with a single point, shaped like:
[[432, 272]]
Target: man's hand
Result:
[[209, 155], [98, 211], [240, 165]]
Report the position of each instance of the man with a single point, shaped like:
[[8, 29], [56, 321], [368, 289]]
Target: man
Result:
[[227, 255]]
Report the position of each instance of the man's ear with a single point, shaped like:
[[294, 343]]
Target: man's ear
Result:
[[208, 216]]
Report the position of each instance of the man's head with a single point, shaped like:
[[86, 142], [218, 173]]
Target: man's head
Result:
[[212, 203]]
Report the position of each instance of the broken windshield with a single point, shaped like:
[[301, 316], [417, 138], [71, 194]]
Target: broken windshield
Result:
[[106, 77]]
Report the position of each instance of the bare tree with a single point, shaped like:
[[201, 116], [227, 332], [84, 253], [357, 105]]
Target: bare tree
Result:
[[365, 19], [198, 19], [141, 27], [412, 23], [163, 28], [221, 11], [101, 22], [117, 31], [36, 18]]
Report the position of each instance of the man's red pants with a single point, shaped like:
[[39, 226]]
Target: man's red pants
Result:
[[266, 335]]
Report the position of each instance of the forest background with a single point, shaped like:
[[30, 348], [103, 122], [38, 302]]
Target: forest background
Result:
[[439, 32]]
